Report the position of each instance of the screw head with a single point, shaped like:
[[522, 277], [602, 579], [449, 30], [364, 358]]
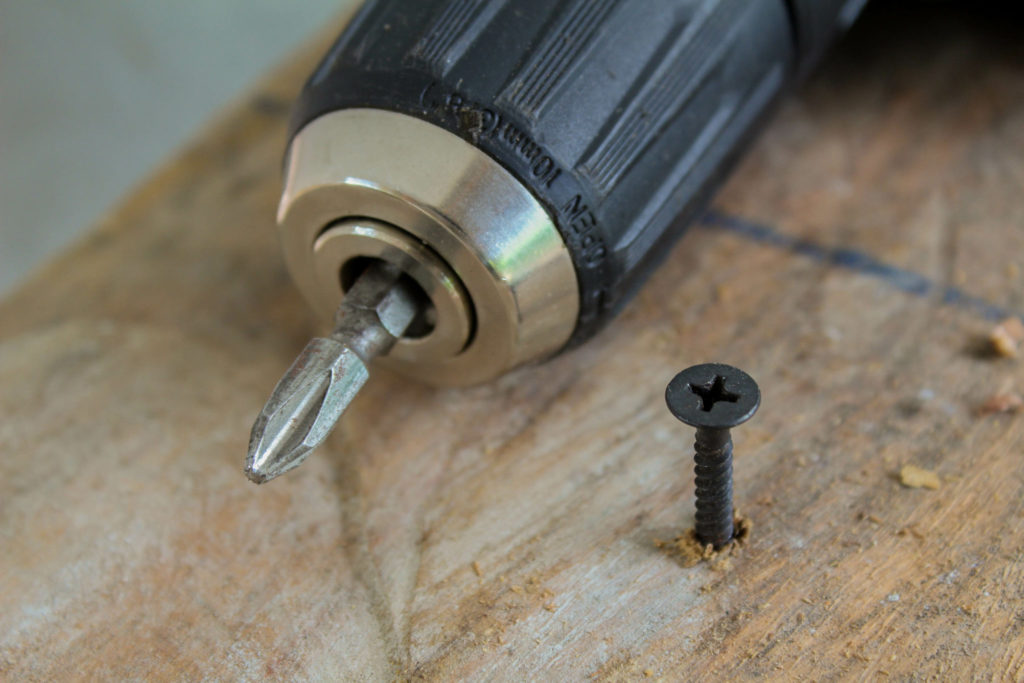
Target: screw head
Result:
[[713, 396]]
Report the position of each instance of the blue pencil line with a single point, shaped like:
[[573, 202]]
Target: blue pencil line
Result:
[[904, 280]]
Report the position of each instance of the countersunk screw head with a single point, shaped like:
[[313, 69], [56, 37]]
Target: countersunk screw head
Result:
[[713, 396]]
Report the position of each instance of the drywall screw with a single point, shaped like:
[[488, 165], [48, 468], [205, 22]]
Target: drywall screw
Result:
[[714, 398]]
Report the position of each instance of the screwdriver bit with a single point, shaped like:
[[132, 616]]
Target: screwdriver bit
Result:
[[325, 378]]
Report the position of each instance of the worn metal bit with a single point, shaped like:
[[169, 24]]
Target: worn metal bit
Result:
[[321, 383]]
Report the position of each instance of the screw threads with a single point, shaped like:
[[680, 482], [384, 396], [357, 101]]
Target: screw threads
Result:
[[713, 470]]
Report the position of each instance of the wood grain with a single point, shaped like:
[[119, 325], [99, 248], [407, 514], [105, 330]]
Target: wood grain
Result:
[[507, 532]]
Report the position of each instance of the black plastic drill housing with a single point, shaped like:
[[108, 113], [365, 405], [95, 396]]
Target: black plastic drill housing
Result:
[[620, 116]]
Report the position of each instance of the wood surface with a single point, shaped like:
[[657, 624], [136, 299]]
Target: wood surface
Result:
[[854, 265]]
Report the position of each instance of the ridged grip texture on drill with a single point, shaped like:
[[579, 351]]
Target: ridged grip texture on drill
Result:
[[620, 116], [713, 469]]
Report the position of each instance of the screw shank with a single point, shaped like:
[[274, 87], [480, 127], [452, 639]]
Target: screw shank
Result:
[[713, 470]]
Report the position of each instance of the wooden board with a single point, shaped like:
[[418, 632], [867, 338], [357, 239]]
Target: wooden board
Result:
[[853, 265]]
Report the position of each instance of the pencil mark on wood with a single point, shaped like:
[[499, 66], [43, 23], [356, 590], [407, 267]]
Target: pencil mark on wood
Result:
[[861, 262]]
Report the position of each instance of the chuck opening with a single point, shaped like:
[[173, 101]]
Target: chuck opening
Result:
[[426, 313], [445, 321]]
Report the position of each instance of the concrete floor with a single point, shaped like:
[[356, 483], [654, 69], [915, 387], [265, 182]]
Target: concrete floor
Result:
[[95, 93]]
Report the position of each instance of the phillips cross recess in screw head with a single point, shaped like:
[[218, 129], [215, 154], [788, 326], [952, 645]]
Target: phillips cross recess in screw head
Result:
[[321, 383]]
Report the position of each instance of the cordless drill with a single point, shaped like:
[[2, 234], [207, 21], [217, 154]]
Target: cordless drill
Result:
[[471, 185]]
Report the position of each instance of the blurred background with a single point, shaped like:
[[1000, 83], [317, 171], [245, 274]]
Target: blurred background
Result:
[[95, 94]]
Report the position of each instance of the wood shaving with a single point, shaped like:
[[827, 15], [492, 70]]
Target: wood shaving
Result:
[[1005, 402], [722, 563], [688, 551], [915, 477], [911, 531], [1006, 337]]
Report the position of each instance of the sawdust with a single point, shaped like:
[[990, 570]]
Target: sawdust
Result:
[[915, 477], [911, 531], [1006, 337], [622, 668], [874, 519], [689, 552], [1003, 402], [723, 293]]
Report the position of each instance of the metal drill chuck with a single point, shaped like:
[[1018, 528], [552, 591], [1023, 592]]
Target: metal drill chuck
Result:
[[495, 277]]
